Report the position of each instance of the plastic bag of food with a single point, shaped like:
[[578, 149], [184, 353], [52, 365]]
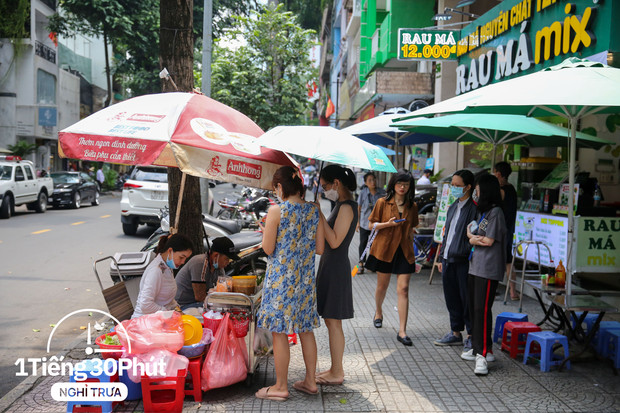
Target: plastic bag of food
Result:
[[161, 330], [224, 284], [225, 363]]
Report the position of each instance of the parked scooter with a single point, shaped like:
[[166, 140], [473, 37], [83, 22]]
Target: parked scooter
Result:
[[249, 209], [213, 228]]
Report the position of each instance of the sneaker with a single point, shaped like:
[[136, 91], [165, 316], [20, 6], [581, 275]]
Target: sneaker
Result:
[[481, 366], [449, 340], [468, 355], [490, 357], [467, 344]]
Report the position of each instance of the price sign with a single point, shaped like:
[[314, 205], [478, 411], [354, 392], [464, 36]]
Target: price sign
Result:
[[420, 44]]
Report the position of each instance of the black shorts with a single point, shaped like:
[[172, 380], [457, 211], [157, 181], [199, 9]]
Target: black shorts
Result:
[[509, 237], [398, 265]]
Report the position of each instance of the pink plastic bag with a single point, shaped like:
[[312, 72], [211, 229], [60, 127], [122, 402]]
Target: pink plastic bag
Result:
[[161, 330], [156, 363], [225, 363]]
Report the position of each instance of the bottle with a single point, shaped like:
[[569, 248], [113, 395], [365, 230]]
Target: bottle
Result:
[[597, 196], [546, 201], [551, 277], [560, 275]]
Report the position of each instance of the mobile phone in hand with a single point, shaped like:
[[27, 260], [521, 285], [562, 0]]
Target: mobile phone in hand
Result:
[[399, 220]]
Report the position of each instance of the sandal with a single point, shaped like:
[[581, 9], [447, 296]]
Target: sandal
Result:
[[299, 386], [264, 394]]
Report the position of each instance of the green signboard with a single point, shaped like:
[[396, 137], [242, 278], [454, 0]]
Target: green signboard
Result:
[[421, 44], [518, 37], [598, 245]]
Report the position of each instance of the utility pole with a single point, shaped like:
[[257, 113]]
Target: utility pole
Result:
[[207, 48]]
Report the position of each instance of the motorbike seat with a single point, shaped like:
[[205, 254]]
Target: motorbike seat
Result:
[[229, 225], [243, 240]]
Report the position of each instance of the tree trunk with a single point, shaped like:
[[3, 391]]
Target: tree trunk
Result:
[[176, 53], [107, 69]]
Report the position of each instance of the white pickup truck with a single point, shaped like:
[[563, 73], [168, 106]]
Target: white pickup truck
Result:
[[19, 185]]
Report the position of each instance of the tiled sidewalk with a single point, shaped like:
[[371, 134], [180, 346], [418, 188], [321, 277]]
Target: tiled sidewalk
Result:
[[383, 375]]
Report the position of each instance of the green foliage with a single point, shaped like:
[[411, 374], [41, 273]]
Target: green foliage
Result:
[[94, 18], [265, 77], [309, 12], [15, 16], [109, 178], [22, 148], [437, 176]]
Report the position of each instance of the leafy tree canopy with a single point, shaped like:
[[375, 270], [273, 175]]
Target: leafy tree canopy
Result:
[[263, 66], [22, 148]]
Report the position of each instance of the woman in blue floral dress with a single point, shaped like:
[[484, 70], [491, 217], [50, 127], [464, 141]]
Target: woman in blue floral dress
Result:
[[291, 238]]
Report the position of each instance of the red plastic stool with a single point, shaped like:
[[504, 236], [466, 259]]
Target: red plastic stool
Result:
[[193, 369], [515, 336], [292, 339], [164, 394]]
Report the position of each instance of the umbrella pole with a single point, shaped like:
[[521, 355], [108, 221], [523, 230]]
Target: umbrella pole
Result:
[[493, 156], [173, 229], [571, 202], [318, 183]]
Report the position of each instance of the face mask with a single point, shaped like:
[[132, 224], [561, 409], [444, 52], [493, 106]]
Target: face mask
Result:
[[278, 196], [170, 263], [332, 195], [475, 198], [457, 191], [215, 264]]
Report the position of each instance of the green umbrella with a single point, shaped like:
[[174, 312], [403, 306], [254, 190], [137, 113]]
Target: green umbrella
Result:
[[573, 90], [498, 130], [326, 144]]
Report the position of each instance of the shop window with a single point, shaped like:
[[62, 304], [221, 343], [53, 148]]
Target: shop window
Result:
[[46, 88]]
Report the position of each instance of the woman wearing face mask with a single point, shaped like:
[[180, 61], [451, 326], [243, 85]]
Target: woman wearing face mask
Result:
[[392, 249], [157, 286], [366, 202], [200, 274], [454, 263], [291, 236], [487, 236], [334, 289]]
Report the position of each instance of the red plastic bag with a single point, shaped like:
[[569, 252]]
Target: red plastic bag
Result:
[[225, 363], [161, 330]]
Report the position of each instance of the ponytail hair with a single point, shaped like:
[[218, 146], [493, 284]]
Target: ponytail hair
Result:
[[178, 242], [291, 182], [344, 175]]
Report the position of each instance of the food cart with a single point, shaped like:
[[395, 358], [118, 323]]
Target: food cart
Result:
[[257, 346]]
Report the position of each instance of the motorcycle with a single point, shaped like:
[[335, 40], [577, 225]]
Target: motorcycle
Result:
[[249, 209], [213, 228], [248, 245]]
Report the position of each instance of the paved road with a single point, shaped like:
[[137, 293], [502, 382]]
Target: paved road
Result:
[[46, 272]]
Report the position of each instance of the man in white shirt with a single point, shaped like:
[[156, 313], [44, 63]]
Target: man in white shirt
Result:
[[425, 178], [100, 178]]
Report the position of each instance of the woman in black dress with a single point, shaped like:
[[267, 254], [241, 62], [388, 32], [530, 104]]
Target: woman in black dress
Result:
[[333, 283]]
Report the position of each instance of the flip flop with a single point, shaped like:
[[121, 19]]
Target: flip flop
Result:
[[299, 386], [325, 382], [515, 298], [266, 396]]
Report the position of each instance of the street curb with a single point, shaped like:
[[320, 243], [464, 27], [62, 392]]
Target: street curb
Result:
[[29, 383]]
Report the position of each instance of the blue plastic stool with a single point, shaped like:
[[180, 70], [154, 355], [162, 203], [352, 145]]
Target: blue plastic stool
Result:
[[134, 390], [501, 319], [546, 340], [589, 320], [601, 338], [602, 328], [103, 377], [612, 346]]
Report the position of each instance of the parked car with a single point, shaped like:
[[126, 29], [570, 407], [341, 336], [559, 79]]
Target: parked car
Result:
[[72, 189], [19, 185], [145, 193]]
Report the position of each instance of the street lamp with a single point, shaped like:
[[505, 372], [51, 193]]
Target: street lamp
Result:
[[464, 3], [447, 16]]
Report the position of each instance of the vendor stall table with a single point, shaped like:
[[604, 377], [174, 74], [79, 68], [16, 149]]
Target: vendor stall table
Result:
[[585, 304], [555, 320]]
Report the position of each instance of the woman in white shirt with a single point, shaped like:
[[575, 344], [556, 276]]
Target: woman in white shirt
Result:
[[158, 287]]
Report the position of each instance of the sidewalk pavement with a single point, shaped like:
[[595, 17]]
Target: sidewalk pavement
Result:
[[385, 376]]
